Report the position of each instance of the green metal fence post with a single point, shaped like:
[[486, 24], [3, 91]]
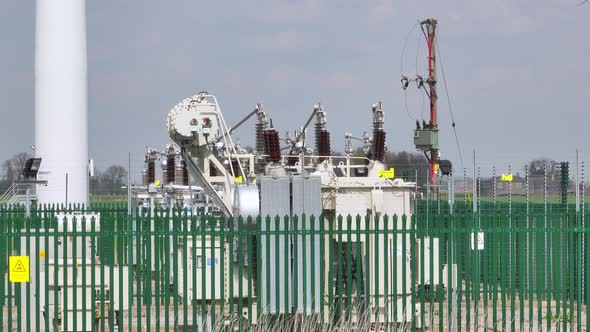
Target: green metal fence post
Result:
[[348, 265], [376, 276], [250, 257], [360, 311], [339, 280]]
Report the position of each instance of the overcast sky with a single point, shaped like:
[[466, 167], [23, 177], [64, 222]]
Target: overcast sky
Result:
[[517, 71]]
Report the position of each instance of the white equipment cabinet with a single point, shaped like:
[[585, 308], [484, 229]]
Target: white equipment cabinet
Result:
[[212, 262], [88, 304], [379, 197]]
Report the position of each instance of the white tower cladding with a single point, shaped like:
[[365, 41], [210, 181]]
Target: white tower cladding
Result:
[[61, 125]]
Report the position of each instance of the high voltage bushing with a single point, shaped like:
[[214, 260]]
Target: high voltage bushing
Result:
[[170, 163], [378, 147], [151, 171], [323, 144], [261, 125], [273, 147], [150, 166], [319, 127]]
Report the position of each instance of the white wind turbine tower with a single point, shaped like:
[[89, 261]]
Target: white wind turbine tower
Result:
[[61, 125]]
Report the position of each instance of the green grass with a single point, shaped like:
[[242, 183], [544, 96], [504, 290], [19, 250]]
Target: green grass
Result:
[[108, 198], [554, 199]]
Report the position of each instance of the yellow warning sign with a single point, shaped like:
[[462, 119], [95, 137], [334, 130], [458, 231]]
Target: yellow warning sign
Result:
[[18, 267], [386, 173], [239, 179], [436, 167], [506, 178]]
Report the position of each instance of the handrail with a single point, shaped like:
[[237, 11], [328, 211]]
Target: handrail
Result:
[[8, 194]]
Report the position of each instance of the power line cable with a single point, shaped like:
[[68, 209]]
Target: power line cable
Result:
[[422, 106], [449, 102], [401, 59], [406, 104], [401, 65], [417, 52]]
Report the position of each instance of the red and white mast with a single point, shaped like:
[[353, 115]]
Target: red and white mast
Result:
[[429, 29]]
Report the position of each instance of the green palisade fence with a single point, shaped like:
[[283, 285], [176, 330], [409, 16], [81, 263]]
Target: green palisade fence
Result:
[[163, 270]]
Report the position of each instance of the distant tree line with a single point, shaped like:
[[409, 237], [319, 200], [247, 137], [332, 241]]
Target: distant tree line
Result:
[[107, 182], [110, 181], [409, 166], [12, 169]]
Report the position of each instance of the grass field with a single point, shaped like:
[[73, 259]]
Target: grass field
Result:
[[553, 199], [108, 198]]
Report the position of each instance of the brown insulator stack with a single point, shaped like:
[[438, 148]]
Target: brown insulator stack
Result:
[[323, 144], [378, 147], [319, 128], [272, 144], [151, 171], [169, 175]]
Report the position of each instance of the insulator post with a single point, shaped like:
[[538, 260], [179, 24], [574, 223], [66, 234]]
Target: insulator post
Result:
[[261, 126], [378, 147], [150, 166], [170, 161], [323, 147], [273, 147]]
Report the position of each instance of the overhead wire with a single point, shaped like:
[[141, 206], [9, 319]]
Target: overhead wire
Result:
[[417, 52], [406, 104], [442, 68], [423, 103], [401, 65], [401, 59]]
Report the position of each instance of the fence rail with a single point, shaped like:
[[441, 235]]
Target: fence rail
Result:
[[102, 270]]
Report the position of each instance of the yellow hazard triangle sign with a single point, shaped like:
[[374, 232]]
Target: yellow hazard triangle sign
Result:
[[19, 269]]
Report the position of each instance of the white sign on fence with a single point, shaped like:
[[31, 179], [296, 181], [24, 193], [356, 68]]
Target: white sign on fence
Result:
[[477, 239]]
